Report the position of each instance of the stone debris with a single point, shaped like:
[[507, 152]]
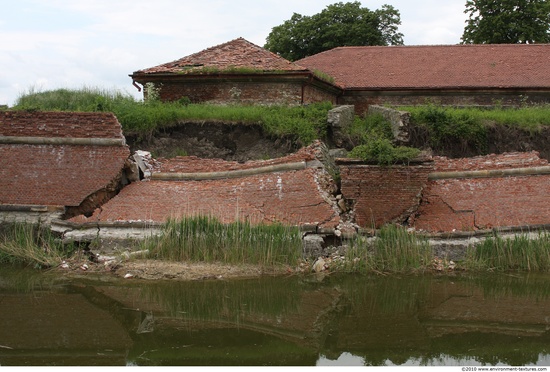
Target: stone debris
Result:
[[319, 265]]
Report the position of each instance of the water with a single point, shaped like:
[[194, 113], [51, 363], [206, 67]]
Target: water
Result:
[[496, 319]]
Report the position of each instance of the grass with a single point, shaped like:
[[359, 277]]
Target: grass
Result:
[[520, 252], [374, 137], [32, 245], [529, 118], [206, 239], [393, 250], [447, 126], [303, 123]]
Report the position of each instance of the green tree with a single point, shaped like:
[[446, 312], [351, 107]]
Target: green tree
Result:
[[507, 22], [340, 24]]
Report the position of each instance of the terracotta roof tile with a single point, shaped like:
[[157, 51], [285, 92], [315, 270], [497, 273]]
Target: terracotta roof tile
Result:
[[436, 66], [238, 53]]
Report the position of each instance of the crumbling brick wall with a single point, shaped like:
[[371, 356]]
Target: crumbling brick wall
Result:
[[428, 197], [64, 172], [383, 194], [466, 203]]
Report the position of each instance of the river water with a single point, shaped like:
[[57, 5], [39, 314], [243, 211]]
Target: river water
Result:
[[420, 320]]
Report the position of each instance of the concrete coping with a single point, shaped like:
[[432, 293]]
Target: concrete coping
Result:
[[21, 140], [31, 208], [493, 173], [152, 224], [166, 176]]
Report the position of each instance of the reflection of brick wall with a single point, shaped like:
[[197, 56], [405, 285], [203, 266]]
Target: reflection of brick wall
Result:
[[383, 194], [60, 174]]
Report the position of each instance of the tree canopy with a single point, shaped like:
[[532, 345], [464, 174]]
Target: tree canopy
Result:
[[340, 24], [507, 22]]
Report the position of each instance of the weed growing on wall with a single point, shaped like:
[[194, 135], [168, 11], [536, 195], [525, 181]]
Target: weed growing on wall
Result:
[[375, 138]]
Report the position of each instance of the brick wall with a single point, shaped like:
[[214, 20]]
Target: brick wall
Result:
[[291, 198], [397, 194], [61, 174], [313, 94], [468, 204], [362, 99], [233, 92], [383, 194], [59, 124]]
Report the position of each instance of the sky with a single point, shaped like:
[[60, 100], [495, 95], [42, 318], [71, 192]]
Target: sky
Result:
[[51, 44]]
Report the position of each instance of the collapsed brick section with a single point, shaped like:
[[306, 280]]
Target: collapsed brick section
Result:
[[383, 194], [468, 204], [58, 174], [406, 194], [296, 198], [193, 164]]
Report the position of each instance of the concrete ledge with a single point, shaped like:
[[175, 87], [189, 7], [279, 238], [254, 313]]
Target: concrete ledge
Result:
[[228, 174], [9, 140], [30, 208], [494, 173]]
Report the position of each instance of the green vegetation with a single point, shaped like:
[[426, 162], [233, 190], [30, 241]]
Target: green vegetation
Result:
[[206, 239], [375, 136], [518, 253], [446, 126], [340, 24], [303, 123], [32, 245], [507, 22], [394, 249]]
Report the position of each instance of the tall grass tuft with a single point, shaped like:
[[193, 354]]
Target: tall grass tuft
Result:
[[32, 245], [521, 253], [392, 250], [205, 238]]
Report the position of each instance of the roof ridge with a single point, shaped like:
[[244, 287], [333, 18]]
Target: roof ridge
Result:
[[238, 52], [437, 46]]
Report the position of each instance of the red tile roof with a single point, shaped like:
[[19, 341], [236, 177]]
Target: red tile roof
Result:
[[235, 54], [437, 66]]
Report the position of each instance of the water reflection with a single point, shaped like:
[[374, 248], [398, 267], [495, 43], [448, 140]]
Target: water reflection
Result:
[[428, 320]]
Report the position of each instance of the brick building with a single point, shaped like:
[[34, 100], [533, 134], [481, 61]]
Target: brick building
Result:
[[236, 72], [507, 74], [239, 71]]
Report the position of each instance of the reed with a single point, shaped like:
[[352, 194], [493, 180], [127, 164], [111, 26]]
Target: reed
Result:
[[205, 238], [520, 252], [392, 250], [32, 245]]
